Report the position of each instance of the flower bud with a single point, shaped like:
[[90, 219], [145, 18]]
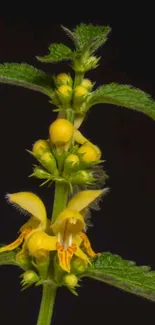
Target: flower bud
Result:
[[40, 147], [40, 173], [78, 265], [49, 162], [70, 280], [64, 93], [61, 132], [23, 260], [90, 153], [30, 277], [80, 93], [82, 177], [72, 161], [86, 83], [63, 79]]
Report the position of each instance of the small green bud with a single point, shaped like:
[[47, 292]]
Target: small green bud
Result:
[[70, 280], [85, 63], [40, 173], [82, 177], [63, 79], [78, 265], [29, 277]]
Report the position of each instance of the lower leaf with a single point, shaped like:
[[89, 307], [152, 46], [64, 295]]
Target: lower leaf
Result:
[[123, 274]]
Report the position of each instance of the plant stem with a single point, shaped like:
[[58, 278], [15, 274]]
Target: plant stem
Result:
[[60, 199], [47, 304], [78, 78]]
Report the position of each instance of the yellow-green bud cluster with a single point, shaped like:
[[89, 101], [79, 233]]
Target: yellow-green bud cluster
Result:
[[66, 96], [42, 151]]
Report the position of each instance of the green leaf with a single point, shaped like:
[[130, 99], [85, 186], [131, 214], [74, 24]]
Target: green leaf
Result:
[[8, 258], [58, 52], [88, 37], [123, 274], [27, 76], [123, 95]]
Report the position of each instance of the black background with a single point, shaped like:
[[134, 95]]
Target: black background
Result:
[[125, 224]]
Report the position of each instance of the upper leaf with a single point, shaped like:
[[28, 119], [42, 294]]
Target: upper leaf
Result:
[[88, 37], [123, 274], [27, 76], [123, 95], [58, 52]]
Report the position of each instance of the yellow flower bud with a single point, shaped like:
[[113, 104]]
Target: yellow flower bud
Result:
[[87, 84], [49, 162], [73, 160], [70, 280], [90, 153], [80, 91], [63, 79], [64, 94], [65, 90], [61, 131], [40, 147]]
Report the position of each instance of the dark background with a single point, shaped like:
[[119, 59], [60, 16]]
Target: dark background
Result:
[[125, 224]]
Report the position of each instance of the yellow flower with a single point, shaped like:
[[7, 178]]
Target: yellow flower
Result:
[[67, 228]]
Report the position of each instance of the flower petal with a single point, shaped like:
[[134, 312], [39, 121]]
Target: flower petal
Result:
[[82, 199], [68, 221], [31, 203], [65, 255], [38, 241], [78, 137], [13, 245], [87, 245], [81, 254]]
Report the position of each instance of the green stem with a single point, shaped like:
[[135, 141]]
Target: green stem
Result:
[[47, 304], [60, 199], [78, 78]]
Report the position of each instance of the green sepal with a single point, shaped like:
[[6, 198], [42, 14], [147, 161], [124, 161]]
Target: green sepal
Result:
[[8, 258], [123, 95], [123, 274], [58, 52], [26, 76]]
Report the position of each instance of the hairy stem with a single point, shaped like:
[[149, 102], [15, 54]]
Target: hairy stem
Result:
[[47, 304], [78, 79], [60, 199]]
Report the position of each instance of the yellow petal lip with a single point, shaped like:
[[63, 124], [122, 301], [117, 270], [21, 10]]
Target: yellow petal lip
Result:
[[82, 199], [72, 220], [39, 241], [31, 203]]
